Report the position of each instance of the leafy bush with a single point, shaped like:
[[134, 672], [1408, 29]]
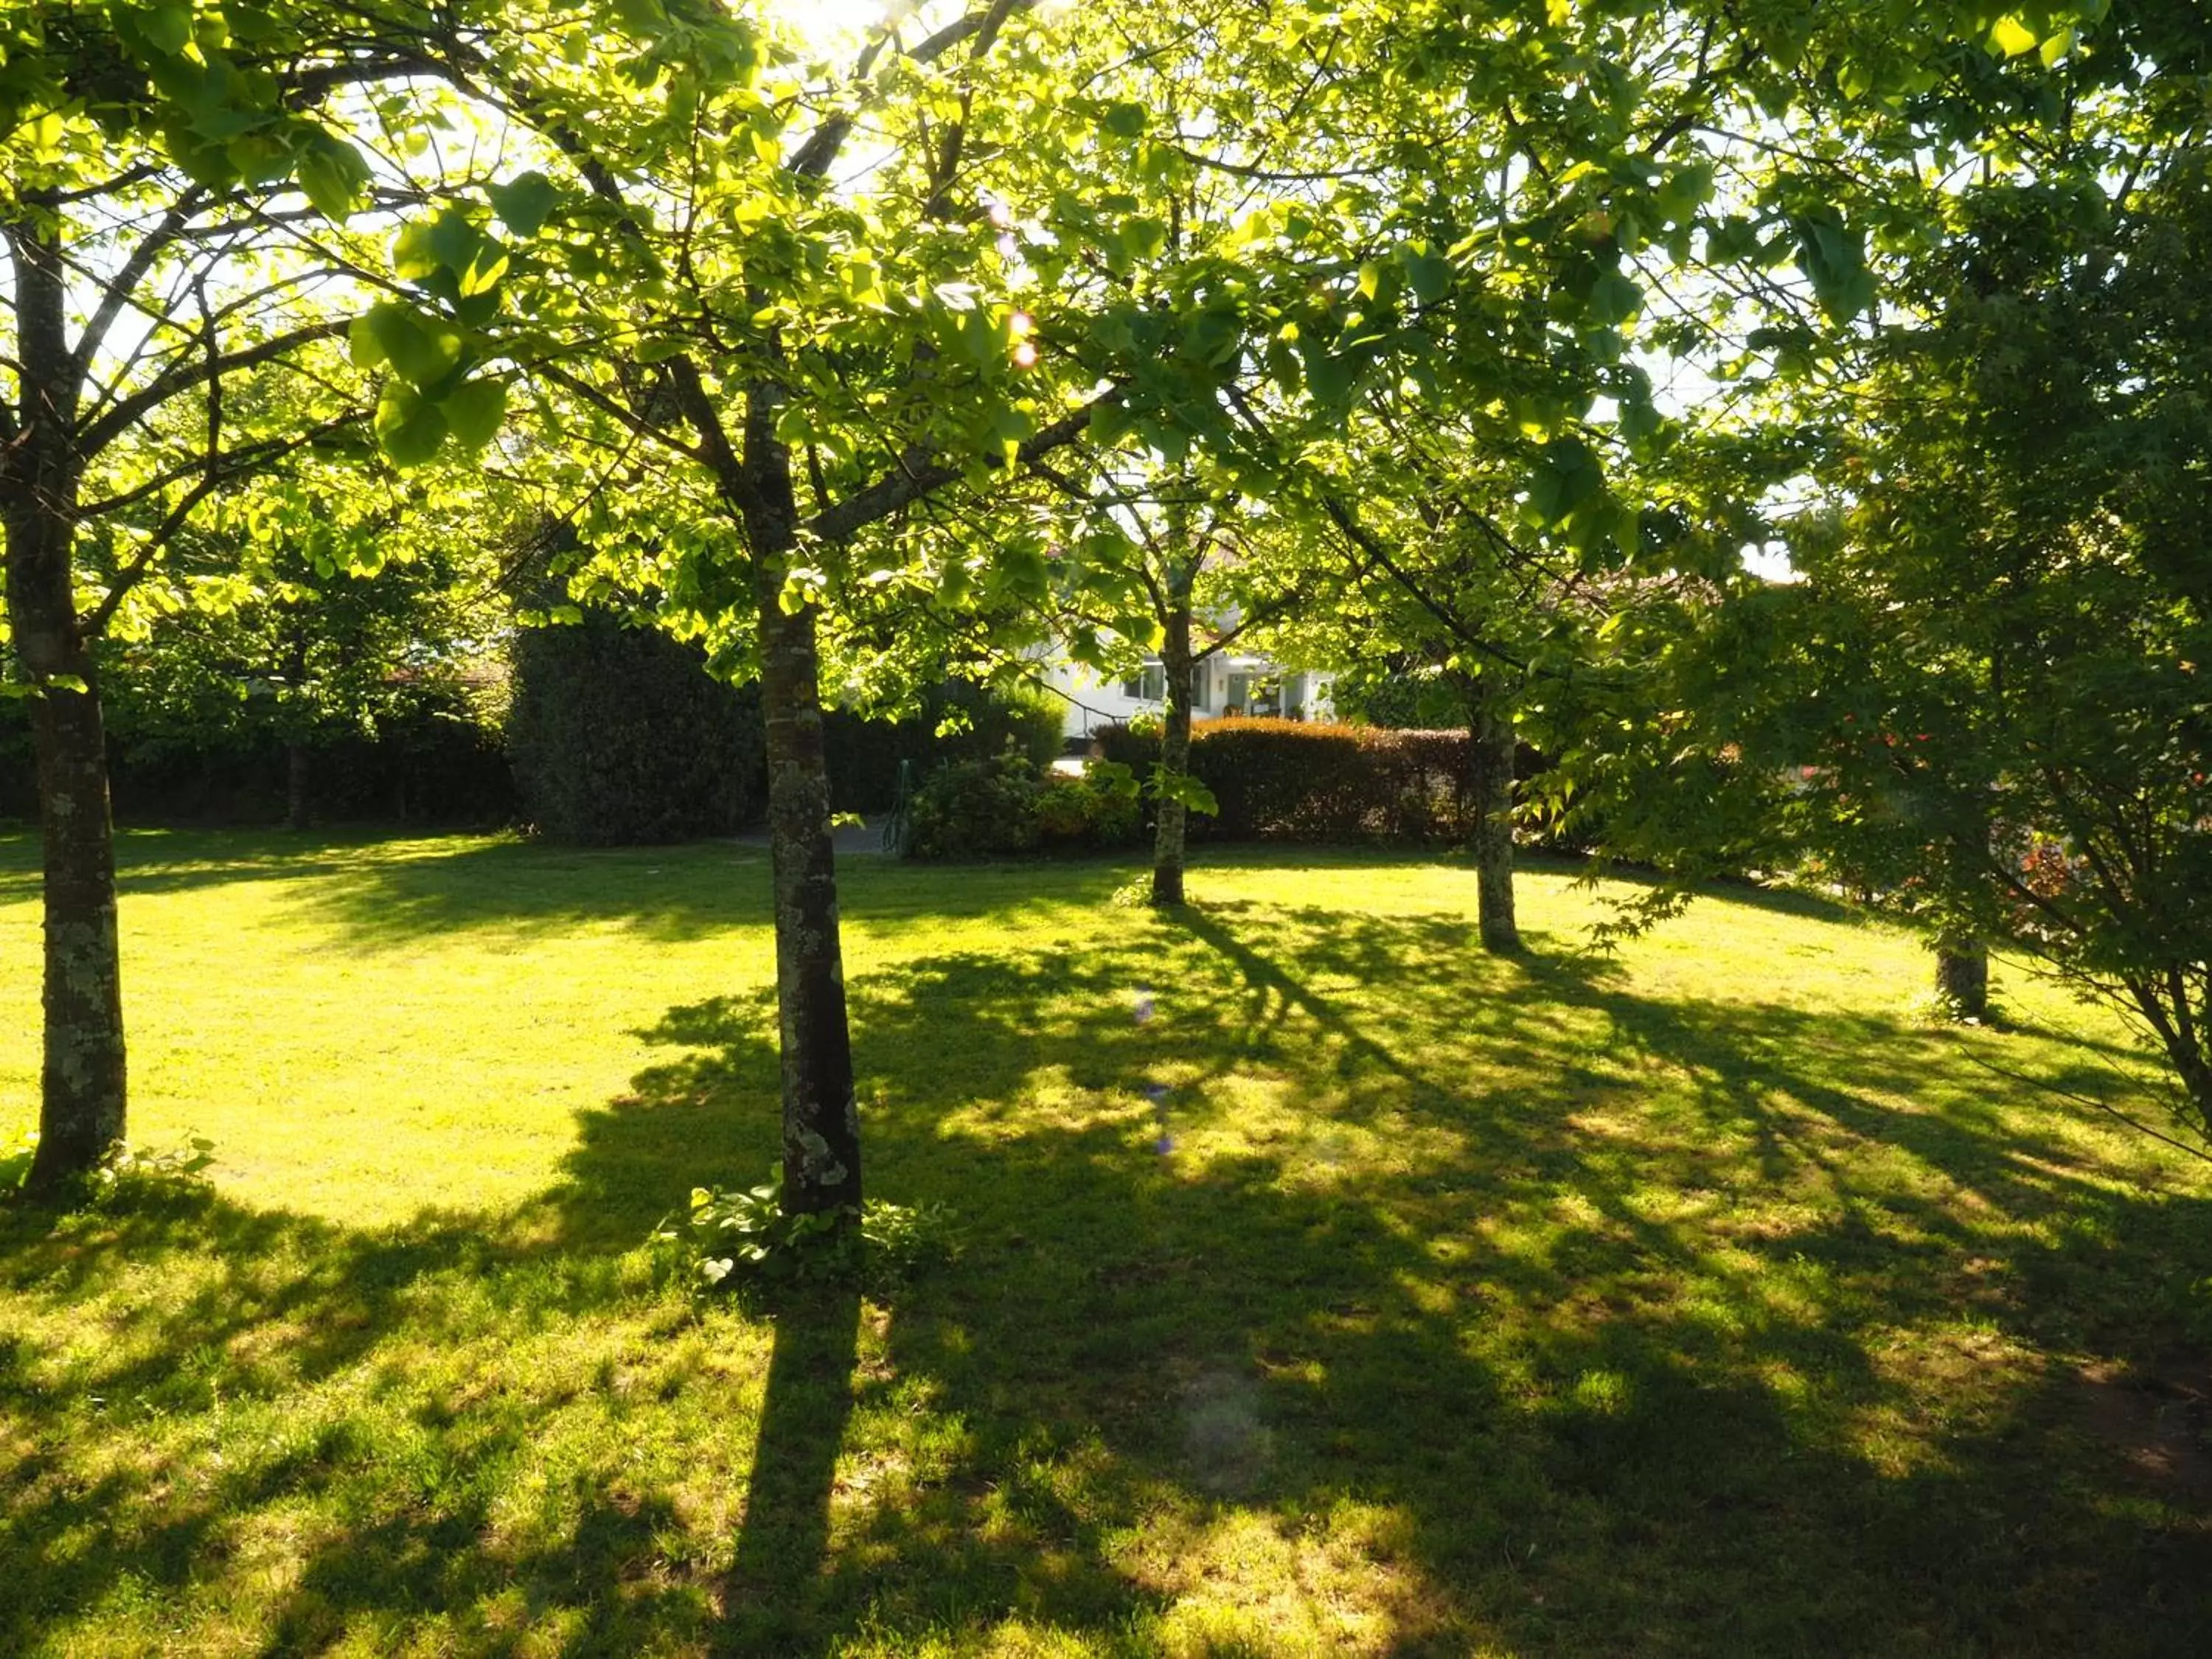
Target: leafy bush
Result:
[[957, 722], [15, 1156], [125, 1170], [976, 809], [620, 737], [1098, 811], [1296, 780], [729, 1239]]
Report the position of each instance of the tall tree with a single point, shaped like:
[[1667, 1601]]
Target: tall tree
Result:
[[793, 362], [158, 165], [831, 300], [1976, 701]]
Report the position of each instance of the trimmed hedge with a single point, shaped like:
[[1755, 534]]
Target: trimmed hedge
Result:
[[619, 736], [438, 767], [1295, 781]]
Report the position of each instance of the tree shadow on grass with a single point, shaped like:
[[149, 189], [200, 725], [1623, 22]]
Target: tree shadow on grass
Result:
[[1370, 1296], [1487, 1347], [203, 1315], [690, 891]]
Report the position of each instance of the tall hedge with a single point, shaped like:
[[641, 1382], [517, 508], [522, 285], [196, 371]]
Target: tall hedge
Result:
[[619, 736], [440, 764], [1294, 780]]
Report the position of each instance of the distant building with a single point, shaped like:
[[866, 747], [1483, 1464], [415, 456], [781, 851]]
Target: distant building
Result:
[[1227, 684]]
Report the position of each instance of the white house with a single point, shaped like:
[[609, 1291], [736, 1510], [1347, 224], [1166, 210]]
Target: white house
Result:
[[1227, 684]]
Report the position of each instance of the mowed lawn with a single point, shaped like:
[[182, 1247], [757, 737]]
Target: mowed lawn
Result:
[[1370, 1297]]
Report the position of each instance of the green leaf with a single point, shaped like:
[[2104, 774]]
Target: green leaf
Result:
[[1615, 298], [1832, 256], [1185, 788], [333, 175], [2011, 37], [1109, 424], [455, 240], [423, 349], [167, 27], [476, 412], [484, 270], [412, 257], [408, 428], [1566, 476], [1430, 276], [524, 203], [364, 347]]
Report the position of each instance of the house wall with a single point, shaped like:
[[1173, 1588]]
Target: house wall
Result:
[[1093, 703]]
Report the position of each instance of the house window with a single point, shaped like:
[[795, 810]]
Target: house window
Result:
[[1150, 685]]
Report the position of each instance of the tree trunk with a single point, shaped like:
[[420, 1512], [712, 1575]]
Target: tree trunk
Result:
[[83, 1090], [1170, 832], [1489, 739], [821, 1115], [1962, 975], [83, 1093], [295, 785]]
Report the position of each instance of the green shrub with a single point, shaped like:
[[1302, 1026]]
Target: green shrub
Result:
[[16, 1154], [959, 721], [124, 1172], [739, 1240], [976, 809], [431, 755], [1096, 812], [620, 737]]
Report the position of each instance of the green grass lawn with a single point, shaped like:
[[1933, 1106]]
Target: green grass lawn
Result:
[[1697, 1301]]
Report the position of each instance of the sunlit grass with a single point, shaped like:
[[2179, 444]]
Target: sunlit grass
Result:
[[1370, 1296]]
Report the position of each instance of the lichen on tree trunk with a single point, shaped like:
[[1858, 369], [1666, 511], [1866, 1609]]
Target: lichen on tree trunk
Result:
[[1490, 810], [84, 1082], [83, 1095], [821, 1113]]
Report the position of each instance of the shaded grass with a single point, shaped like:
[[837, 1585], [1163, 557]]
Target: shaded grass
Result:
[[1370, 1296]]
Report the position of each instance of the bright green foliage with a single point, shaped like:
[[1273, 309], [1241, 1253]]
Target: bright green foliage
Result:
[[308, 605], [161, 153], [743, 1240], [1764, 1311], [1981, 704], [1999, 692]]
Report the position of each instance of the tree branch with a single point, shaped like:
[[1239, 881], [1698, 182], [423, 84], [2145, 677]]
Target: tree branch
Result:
[[116, 291], [185, 376], [217, 471], [820, 153], [879, 500], [618, 411]]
